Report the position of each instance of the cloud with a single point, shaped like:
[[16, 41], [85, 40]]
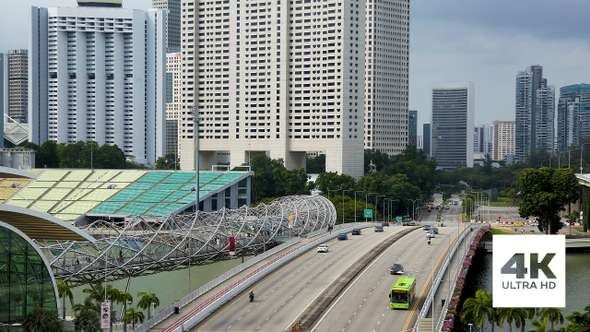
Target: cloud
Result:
[[450, 51]]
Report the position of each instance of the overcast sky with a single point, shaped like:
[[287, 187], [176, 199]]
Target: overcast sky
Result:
[[483, 41]]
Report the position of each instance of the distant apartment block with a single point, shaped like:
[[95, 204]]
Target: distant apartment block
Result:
[[173, 100], [503, 139], [98, 73], [172, 21], [18, 84], [452, 117], [413, 127], [573, 115], [482, 140], [535, 112], [426, 138]]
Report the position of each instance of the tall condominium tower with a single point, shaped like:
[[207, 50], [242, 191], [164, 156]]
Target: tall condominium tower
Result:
[[274, 77], [413, 127], [535, 111], [98, 74], [482, 140], [573, 115], [503, 139], [173, 100], [426, 140], [453, 108], [387, 45], [18, 84], [172, 21]]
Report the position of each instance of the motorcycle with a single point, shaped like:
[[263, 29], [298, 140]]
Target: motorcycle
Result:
[[251, 297]]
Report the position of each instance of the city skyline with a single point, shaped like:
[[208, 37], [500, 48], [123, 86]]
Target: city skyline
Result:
[[450, 42]]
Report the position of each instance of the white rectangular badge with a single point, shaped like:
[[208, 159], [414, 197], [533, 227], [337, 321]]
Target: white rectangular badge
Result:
[[528, 271]]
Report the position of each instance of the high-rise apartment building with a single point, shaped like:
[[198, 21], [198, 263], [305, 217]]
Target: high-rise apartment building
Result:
[[482, 140], [280, 78], [387, 45], [173, 100], [452, 117], [98, 74], [503, 139], [18, 84], [172, 21], [413, 127], [573, 115], [535, 112], [426, 139]]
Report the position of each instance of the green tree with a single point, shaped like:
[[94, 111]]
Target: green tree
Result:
[[553, 316], [419, 168], [88, 317], [146, 301], [540, 326], [168, 162], [42, 320], [332, 181], [64, 290], [509, 315], [110, 157], [96, 292], [544, 192], [579, 322], [133, 316], [375, 160], [124, 298], [479, 308], [315, 165], [289, 182], [263, 185]]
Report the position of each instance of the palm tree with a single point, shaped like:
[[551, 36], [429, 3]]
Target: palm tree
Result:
[[540, 326], [88, 315], [124, 298], [553, 315], [42, 320], [510, 314], [64, 290], [147, 300], [96, 292], [133, 316], [479, 307]]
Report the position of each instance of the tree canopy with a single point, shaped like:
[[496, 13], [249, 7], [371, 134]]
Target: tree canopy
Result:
[[544, 192], [77, 155]]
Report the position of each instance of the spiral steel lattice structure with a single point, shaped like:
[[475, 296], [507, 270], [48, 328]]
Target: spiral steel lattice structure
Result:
[[141, 246]]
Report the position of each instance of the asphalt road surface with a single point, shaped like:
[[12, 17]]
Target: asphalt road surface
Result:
[[283, 297]]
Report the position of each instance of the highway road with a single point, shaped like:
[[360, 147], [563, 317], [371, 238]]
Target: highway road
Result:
[[282, 298], [364, 305]]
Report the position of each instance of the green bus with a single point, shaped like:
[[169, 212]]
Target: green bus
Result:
[[402, 293]]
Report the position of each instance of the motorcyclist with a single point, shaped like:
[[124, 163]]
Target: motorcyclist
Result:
[[251, 296]]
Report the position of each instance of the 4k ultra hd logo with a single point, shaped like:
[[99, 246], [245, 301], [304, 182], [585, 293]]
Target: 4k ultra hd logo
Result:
[[529, 271]]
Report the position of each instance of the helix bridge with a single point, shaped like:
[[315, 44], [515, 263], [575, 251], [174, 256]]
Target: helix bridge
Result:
[[141, 246]]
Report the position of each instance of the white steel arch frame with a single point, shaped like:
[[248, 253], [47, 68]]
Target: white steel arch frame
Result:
[[141, 246]]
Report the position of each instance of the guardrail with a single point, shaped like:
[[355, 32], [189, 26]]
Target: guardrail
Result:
[[205, 308], [467, 232]]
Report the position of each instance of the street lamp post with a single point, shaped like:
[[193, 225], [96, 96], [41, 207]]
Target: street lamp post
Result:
[[414, 211], [376, 197], [356, 191], [384, 198], [343, 203], [581, 158]]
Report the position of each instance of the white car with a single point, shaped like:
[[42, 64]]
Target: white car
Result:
[[323, 248], [429, 234]]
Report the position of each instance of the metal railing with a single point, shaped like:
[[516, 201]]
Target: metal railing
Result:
[[163, 314], [467, 232]]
